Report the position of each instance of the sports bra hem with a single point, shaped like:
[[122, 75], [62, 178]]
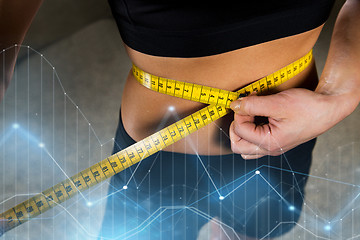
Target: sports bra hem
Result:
[[221, 39]]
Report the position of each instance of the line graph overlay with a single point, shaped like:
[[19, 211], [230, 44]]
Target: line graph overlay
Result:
[[48, 134], [47, 137]]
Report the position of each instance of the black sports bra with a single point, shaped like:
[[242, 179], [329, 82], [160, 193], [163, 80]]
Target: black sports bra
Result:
[[195, 28]]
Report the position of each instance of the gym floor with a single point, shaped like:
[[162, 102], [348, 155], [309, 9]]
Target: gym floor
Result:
[[80, 40]]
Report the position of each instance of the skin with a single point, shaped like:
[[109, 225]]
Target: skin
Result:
[[12, 30], [13, 33], [232, 70], [295, 112], [298, 115]]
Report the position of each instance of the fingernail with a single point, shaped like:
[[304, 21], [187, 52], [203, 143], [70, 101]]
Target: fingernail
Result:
[[235, 105]]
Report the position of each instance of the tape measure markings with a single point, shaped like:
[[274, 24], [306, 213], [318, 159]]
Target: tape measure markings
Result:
[[219, 101]]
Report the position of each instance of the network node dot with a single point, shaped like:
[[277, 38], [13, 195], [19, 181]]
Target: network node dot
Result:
[[327, 227], [257, 172], [125, 187], [171, 108], [89, 204], [15, 126], [41, 145], [221, 197], [291, 208]]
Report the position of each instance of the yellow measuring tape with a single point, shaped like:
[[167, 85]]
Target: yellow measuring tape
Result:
[[219, 105]]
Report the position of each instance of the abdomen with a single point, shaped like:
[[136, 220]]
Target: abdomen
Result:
[[145, 112]]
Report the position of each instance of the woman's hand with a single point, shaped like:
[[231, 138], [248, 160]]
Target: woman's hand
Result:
[[294, 117], [298, 115]]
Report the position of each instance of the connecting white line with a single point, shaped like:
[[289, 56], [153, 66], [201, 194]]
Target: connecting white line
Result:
[[215, 220], [143, 225], [106, 142], [292, 171], [62, 170], [281, 223], [208, 174], [240, 185], [148, 172], [274, 189], [42, 146], [337, 218], [132, 175], [19, 195], [6, 136], [160, 211]]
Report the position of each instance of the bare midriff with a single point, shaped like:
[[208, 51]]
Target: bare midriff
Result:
[[144, 111]]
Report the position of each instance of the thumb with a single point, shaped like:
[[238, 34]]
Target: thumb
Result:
[[266, 106]]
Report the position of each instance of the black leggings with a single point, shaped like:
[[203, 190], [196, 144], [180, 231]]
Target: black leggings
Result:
[[171, 195]]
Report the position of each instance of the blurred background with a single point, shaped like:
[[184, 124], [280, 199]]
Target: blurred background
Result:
[[61, 111]]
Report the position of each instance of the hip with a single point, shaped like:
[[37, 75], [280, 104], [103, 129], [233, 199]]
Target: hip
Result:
[[145, 112]]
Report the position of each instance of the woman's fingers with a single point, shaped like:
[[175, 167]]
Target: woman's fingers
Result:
[[251, 157], [241, 146]]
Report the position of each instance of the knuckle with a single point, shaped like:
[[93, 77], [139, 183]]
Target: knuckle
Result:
[[235, 129], [232, 133], [246, 106], [235, 148]]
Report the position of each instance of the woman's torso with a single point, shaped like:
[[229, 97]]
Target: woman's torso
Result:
[[145, 112]]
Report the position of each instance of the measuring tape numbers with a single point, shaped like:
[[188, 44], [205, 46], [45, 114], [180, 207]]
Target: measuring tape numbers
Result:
[[219, 105]]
